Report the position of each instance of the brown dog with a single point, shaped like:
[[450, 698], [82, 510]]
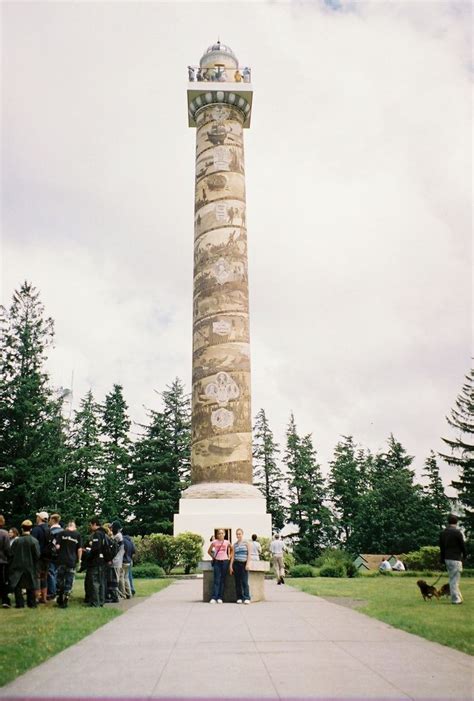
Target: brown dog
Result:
[[427, 591], [444, 591]]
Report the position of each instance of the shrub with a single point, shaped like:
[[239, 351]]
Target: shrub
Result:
[[426, 558], [148, 571], [301, 571], [190, 550], [333, 568]]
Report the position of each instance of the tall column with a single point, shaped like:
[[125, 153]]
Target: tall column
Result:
[[221, 492], [221, 416]]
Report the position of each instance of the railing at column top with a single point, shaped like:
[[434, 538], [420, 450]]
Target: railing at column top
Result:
[[219, 74]]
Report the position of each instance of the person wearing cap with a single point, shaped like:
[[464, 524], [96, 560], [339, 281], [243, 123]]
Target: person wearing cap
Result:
[[41, 533], [25, 555], [4, 557], [115, 574]]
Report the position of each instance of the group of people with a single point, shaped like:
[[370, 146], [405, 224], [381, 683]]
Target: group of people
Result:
[[235, 559], [397, 566], [42, 561], [218, 74]]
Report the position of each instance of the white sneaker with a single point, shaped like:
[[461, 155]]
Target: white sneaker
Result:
[[246, 601], [239, 601], [212, 601], [219, 601]]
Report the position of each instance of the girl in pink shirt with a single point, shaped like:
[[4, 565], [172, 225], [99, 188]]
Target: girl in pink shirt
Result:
[[220, 551]]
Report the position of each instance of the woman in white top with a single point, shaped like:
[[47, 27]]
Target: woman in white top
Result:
[[255, 548]]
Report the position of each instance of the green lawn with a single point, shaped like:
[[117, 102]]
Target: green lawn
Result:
[[397, 600], [31, 636]]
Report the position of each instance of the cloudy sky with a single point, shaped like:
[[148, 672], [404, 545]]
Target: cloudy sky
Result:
[[358, 167]]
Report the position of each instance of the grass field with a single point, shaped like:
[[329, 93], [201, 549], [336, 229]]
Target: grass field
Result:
[[397, 600], [31, 636]]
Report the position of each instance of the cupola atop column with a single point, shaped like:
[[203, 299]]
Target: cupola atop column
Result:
[[219, 79]]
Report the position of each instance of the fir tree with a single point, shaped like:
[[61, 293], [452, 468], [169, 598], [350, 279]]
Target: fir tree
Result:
[[268, 477], [347, 483], [84, 478], [394, 515], [116, 448], [306, 496], [155, 483], [462, 449], [31, 431], [177, 415], [435, 491]]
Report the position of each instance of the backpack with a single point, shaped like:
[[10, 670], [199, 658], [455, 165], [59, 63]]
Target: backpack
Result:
[[110, 548]]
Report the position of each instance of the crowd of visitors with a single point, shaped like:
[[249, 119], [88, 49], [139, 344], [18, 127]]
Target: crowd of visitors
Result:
[[43, 558]]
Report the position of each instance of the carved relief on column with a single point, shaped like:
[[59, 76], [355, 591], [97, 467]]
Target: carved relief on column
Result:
[[221, 441]]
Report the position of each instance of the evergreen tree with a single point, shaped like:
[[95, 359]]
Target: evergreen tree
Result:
[[307, 496], [155, 482], [462, 449], [31, 430], [84, 477], [394, 515], [268, 477], [347, 484], [116, 448], [435, 491], [177, 415]]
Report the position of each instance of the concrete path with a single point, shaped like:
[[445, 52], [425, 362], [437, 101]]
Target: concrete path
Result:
[[291, 646]]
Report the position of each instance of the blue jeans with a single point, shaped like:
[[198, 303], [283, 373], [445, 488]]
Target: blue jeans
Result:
[[220, 568], [52, 577], [130, 579], [454, 568], [241, 580]]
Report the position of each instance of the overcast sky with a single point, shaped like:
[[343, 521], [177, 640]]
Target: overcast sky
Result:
[[358, 167]]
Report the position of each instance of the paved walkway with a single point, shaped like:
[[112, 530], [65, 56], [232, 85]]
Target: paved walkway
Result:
[[291, 646]]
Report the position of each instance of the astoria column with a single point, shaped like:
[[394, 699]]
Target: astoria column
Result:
[[221, 492]]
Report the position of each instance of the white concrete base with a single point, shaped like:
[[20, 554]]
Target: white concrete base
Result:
[[203, 516]]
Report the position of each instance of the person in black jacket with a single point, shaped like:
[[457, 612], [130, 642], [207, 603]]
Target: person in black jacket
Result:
[[453, 552], [94, 582]]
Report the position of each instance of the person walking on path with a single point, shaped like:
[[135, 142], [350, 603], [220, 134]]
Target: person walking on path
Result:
[[25, 553], [453, 552], [4, 557], [277, 549], [220, 550], [256, 548], [69, 549], [239, 566]]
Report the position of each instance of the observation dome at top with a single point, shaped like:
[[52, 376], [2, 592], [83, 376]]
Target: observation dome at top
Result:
[[219, 55]]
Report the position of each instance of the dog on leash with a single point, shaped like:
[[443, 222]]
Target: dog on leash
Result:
[[445, 590], [427, 590]]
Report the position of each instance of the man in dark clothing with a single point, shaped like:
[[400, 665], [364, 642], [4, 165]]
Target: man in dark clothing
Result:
[[41, 533], [453, 552], [68, 546], [55, 529], [4, 557], [94, 582], [25, 553]]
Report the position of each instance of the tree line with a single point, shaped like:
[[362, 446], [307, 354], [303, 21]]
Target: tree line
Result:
[[88, 463]]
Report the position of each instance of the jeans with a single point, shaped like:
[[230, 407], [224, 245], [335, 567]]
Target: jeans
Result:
[[4, 586], [130, 579], [94, 584], [241, 580], [65, 579], [52, 573], [454, 568], [220, 568]]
